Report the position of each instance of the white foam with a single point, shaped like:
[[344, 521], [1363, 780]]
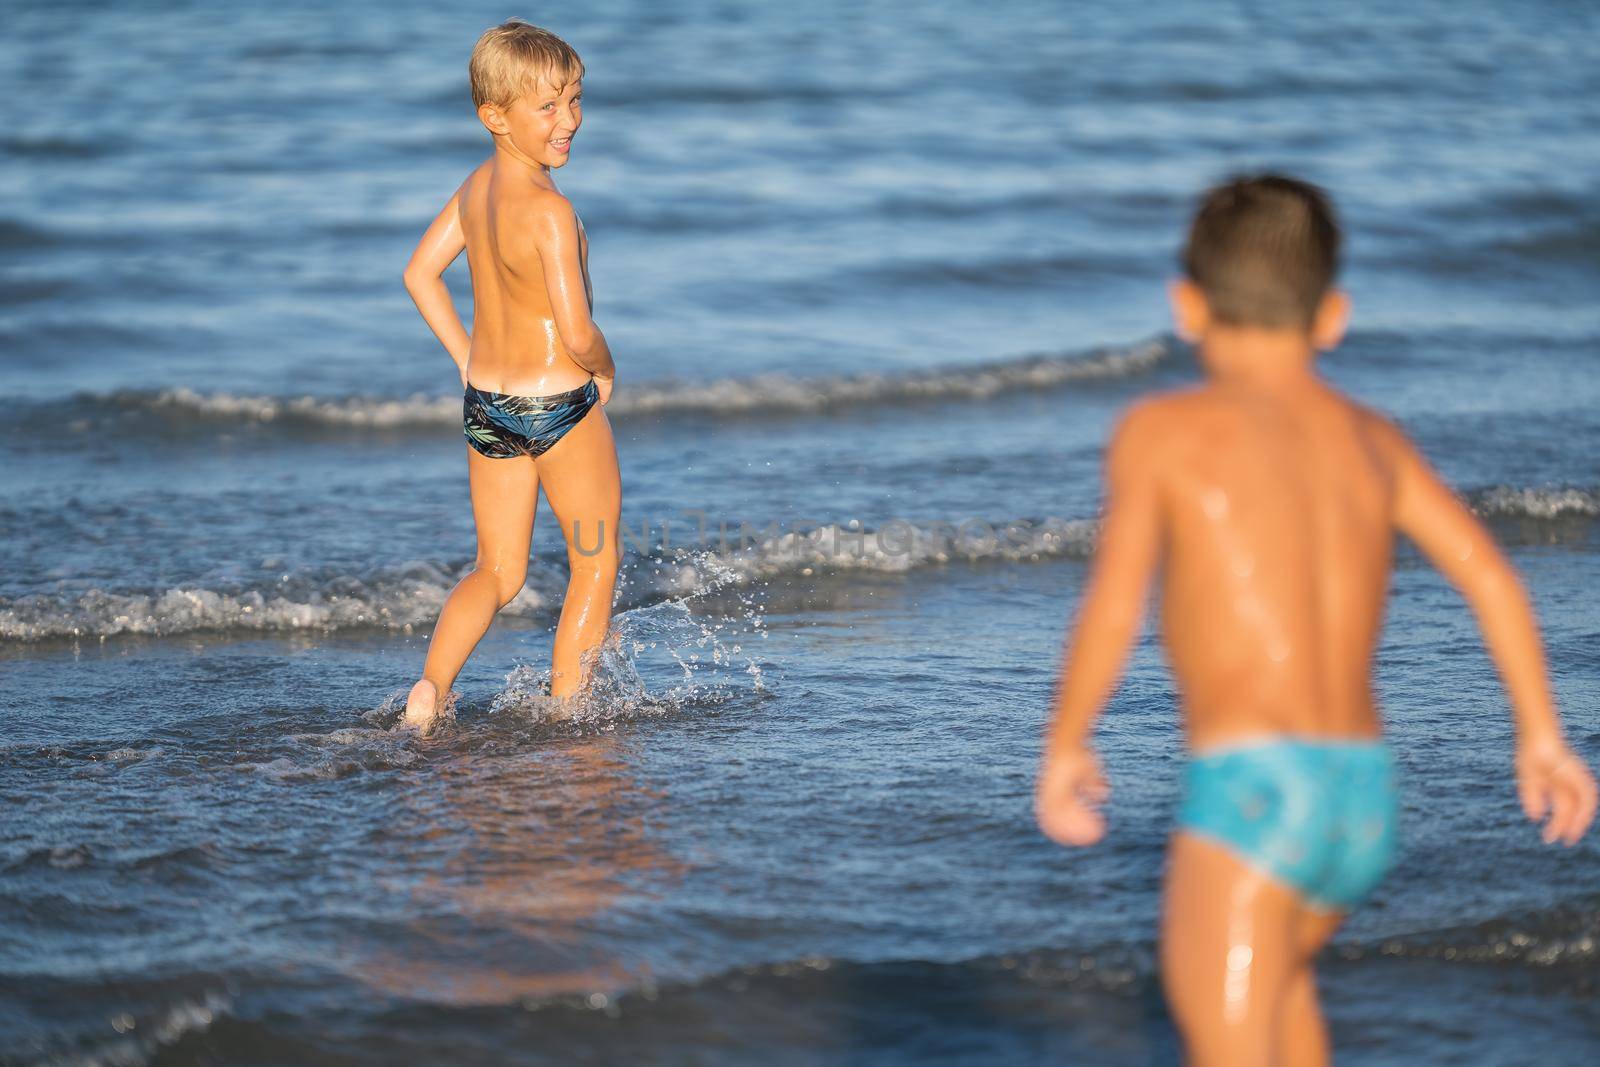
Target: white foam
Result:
[[737, 396], [140, 1038], [409, 595], [390, 598], [1503, 501]]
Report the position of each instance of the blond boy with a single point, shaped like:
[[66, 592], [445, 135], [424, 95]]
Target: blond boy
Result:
[[535, 370]]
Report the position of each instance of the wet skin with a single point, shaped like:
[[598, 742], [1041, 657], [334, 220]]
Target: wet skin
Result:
[[533, 335], [1268, 502]]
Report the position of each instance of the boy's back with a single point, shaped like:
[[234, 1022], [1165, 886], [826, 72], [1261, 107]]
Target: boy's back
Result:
[[1268, 503], [508, 220], [1276, 522]]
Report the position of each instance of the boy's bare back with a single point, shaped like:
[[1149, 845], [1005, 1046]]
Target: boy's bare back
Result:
[[1267, 502], [1275, 513], [533, 333], [512, 225]]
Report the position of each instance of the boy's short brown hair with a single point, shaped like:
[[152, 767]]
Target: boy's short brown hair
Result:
[[513, 57], [1264, 250]]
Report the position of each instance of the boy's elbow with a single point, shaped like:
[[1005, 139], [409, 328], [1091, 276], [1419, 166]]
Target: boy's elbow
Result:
[[1490, 584], [583, 342], [1499, 583]]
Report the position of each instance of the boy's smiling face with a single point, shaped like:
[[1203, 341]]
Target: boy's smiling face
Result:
[[539, 124]]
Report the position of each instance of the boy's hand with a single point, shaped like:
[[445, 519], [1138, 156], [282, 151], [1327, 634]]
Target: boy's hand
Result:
[[1553, 781], [604, 386], [1067, 802]]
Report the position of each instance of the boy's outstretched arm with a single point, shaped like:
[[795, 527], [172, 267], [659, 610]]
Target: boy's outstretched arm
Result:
[[1071, 787], [424, 277], [1552, 780]]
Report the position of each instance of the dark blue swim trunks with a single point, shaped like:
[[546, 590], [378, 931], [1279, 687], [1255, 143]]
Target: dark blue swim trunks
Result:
[[503, 425]]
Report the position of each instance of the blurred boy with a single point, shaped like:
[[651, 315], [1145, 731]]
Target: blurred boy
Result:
[[1268, 501], [535, 371]]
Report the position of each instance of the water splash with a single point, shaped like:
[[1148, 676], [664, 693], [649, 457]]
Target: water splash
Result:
[[657, 658]]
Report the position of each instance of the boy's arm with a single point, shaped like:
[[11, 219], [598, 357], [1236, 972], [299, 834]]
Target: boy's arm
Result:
[[1552, 779], [1071, 786], [424, 277], [555, 230]]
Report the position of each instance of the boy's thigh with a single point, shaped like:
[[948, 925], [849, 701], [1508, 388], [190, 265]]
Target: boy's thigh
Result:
[[580, 478], [1231, 941], [505, 493]]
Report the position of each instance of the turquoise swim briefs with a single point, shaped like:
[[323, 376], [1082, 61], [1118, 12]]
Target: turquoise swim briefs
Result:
[[1316, 815]]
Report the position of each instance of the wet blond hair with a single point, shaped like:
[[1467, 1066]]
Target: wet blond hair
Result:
[[511, 59]]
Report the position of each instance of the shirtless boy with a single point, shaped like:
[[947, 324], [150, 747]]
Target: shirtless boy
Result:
[[1268, 503], [536, 370]]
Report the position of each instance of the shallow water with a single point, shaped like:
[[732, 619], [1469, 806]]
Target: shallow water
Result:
[[889, 274]]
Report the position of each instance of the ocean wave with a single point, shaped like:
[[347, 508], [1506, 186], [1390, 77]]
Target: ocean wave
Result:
[[1008, 272], [1538, 502], [140, 1035], [393, 597], [406, 595], [1565, 934], [735, 397], [54, 146], [1118, 969], [1572, 243], [403, 596], [15, 233]]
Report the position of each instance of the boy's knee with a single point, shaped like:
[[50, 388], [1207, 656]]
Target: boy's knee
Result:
[[507, 582], [596, 564], [593, 546]]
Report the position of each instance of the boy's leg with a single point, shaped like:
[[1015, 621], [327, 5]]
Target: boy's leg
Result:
[[505, 493], [1302, 1034], [581, 481], [1230, 956]]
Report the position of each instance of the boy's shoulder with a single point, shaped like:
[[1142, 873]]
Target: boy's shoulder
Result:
[[1157, 432], [523, 201], [1380, 426], [1153, 427], [536, 200], [1165, 415], [1203, 406]]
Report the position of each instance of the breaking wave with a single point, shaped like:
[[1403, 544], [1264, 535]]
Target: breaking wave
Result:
[[407, 595], [1566, 934], [1507, 502], [402, 596], [728, 397], [1562, 935]]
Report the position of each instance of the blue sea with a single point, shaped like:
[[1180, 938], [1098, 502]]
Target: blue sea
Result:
[[878, 279]]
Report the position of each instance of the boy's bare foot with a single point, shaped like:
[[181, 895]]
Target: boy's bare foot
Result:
[[422, 707]]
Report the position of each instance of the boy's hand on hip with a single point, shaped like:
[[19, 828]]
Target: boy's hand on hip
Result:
[[1556, 789], [604, 386], [1069, 794]]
